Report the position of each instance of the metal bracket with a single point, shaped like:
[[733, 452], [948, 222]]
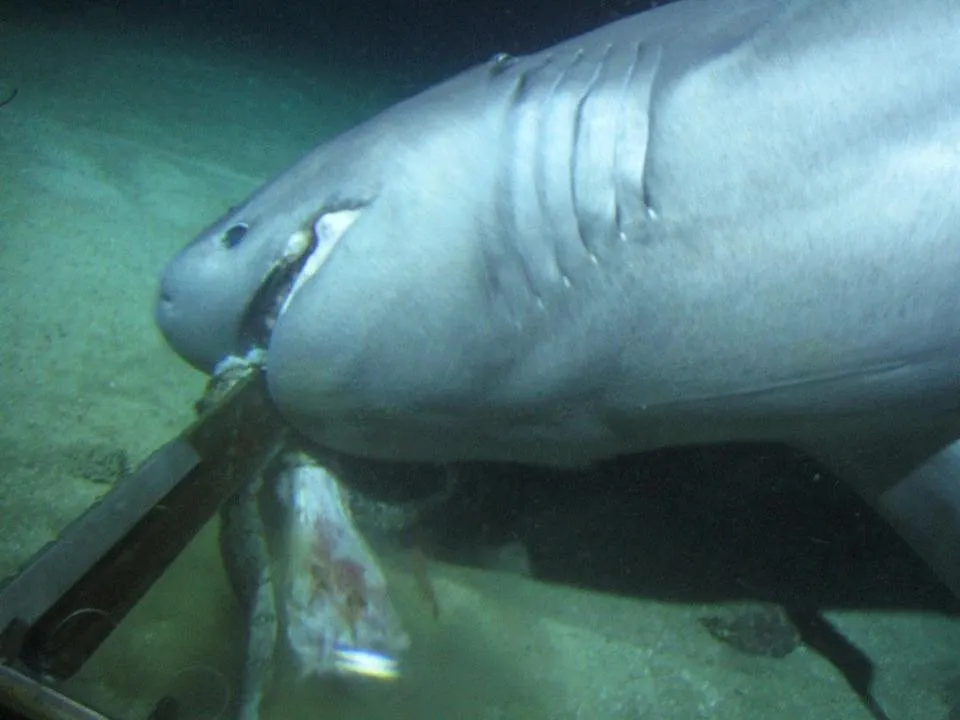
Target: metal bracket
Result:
[[77, 589]]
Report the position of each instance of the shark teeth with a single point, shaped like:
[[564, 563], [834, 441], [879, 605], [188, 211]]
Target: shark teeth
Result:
[[305, 252], [327, 232], [271, 297]]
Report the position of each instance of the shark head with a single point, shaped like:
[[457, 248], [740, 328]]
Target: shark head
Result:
[[223, 293]]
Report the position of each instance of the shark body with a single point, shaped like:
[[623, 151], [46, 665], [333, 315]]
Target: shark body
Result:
[[734, 220]]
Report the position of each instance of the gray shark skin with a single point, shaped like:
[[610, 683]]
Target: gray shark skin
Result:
[[734, 220]]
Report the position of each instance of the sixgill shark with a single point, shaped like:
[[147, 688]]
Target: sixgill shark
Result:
[[723, 220]]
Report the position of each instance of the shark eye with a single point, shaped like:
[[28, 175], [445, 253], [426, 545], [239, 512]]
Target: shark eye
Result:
[[234, 235]]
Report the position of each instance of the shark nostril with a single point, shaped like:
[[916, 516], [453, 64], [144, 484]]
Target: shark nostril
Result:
[[165, 296]]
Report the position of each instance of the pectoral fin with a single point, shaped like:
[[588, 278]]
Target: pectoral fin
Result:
[[924, 506], [913, 480]]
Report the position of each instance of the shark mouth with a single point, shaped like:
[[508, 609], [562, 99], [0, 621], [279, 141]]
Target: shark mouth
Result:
[[274, 292], [306, 251]]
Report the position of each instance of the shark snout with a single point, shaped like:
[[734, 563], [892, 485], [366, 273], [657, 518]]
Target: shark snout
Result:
[[192, 319]]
